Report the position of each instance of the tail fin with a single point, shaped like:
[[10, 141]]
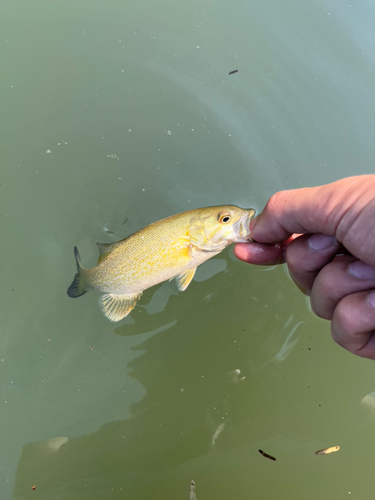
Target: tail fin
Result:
[[77, 288]]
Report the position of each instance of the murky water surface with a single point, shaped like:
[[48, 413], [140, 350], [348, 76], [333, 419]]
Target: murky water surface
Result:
[[115, 114]]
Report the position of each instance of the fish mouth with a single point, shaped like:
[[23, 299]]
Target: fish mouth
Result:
[[244, 227]]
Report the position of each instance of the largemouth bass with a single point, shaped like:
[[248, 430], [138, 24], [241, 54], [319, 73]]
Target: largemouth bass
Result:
[[169, 248]]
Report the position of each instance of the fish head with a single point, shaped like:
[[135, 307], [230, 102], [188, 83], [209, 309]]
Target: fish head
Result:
[[217, 227]]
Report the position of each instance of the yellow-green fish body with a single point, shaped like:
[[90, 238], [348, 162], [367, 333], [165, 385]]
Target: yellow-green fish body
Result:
[[170, 248]]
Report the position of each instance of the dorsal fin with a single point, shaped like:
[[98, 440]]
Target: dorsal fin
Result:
[[104, 250], [105, 247]]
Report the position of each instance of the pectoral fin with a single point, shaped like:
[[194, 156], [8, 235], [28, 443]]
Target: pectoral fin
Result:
[[116, 307], [183, 279]]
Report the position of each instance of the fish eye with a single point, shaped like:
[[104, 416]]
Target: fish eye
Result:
[[224, 217]]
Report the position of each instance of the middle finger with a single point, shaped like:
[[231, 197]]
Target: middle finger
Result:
[[307, 254], [343, 276]]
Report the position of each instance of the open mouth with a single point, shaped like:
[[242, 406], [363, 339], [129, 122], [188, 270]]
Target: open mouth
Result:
[[244, 230]]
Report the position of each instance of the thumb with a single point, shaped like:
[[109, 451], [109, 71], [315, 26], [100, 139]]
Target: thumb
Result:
[[313, 210]]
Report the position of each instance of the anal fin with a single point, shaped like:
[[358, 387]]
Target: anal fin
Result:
[[116, 307], [183, 280]]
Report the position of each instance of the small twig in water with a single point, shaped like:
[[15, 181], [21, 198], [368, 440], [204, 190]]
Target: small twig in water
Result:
[[267, 456]]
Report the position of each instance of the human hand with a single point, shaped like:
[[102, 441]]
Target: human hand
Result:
[[326, 235]]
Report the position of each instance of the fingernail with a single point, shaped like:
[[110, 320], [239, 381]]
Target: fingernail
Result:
[[321, 241], [371, 299], [362, 270]]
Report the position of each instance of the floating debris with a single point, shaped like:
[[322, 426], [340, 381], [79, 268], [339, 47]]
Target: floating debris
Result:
[[192, 491], [114, 157], [332, 449], [48, 151], [235, 376], [218, 431], [33, 488], [267, 456], [232, 72]]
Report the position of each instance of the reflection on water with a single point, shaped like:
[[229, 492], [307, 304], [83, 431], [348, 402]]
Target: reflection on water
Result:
[[162, 295], [192, 384], [369, 400], [288, 345], [217, 433]]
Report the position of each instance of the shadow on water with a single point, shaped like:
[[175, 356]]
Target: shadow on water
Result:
[[196, 369], [207, 407], [206, 410]]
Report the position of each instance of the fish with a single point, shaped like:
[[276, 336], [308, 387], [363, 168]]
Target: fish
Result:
[[325, 451], [169, 248]]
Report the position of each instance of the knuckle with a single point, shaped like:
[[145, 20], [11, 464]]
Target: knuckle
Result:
[[326, 292], [326, 280], [346, 318], [314, 306], [317, 309], [277, 200], [295, 254], [337, 337]]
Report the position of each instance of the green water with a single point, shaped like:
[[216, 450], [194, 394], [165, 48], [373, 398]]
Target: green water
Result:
[[191, 384]]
